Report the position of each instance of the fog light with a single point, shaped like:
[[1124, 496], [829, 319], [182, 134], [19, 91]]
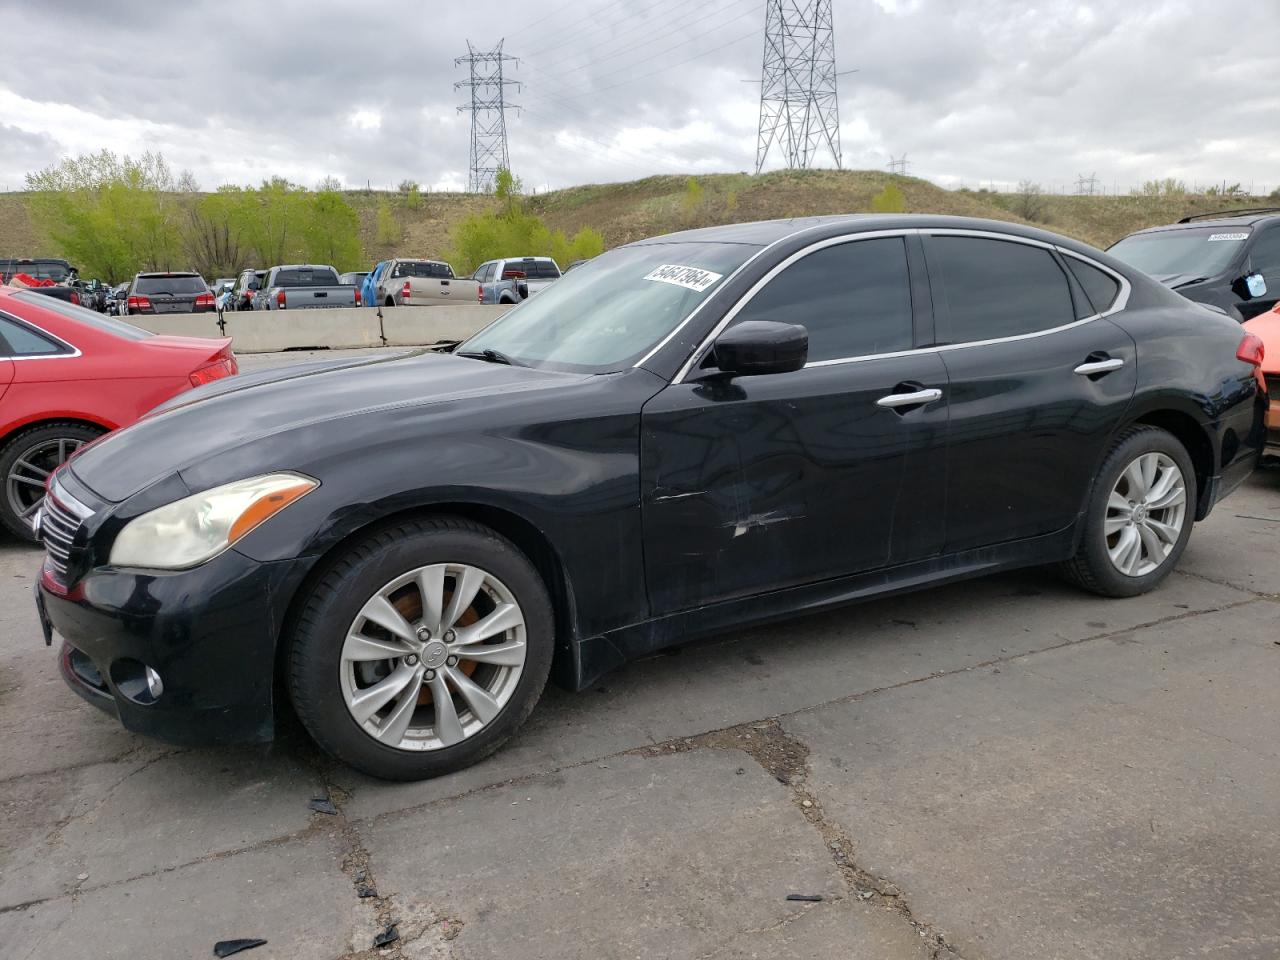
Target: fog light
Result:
[[154, 684]]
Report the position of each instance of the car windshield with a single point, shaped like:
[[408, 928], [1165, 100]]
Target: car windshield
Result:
[[55, 270], [610, 312], [1189, 252], [117, 328], [534, 269]]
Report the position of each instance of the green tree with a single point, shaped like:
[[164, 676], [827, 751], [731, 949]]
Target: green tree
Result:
[[217, 227], [332, 232], [112, 215], [413, 197], [387, 230], [276, 218], [692, 198], [889, 200]]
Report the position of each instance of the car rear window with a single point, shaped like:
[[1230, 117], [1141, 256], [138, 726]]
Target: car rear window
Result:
[[176, 285], [55, 270], [439, 271], [99, 321], [305, 278], [534, 269]]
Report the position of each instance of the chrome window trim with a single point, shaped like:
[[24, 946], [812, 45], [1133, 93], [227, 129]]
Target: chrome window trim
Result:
[[74, 350], [1122, 298], [696, 310], [1120, 302]]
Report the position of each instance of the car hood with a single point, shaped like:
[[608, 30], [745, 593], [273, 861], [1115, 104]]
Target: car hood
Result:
[[208, 422]]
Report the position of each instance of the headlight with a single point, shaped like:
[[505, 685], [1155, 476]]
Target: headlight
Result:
[[190, 531]]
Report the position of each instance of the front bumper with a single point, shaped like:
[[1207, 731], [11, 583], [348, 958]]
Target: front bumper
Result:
[[210, 633]]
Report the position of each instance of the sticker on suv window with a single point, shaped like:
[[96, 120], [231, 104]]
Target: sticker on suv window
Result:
[[689, 277], [1228, 236]]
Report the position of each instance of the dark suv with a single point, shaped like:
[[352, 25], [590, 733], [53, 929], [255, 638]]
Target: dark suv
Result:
[[1230, 259], [152, 293]]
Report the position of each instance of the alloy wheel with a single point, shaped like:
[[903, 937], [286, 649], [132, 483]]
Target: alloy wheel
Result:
[[25, 484], [433, 657], [1146, 513]]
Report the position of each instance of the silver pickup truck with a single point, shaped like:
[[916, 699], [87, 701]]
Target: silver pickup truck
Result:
[[513, 279], [304, 286], [423, 283]]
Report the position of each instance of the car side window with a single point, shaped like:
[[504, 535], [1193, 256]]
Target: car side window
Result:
[[854, 299], [1264, 258], [996, 288], [19, 341], [1099, 286]]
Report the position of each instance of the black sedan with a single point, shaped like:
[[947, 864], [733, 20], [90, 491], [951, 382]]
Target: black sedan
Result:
[[683, 436]]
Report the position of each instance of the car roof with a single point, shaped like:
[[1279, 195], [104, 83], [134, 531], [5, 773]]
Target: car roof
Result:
[[170, 273], [1240, 220], [767, 232]]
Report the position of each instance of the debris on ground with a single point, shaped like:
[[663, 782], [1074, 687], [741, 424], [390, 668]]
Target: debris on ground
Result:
[[225, 948], [364, 891], [389, 935], [805, 897], [323, 805]]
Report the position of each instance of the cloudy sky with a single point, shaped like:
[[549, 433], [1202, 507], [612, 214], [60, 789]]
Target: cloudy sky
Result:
[[972, 90]]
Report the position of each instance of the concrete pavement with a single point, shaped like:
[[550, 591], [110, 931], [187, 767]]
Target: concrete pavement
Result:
[[1002, 769]]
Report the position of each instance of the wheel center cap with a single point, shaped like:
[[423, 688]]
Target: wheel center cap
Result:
[[434, 653], [1140, 513]]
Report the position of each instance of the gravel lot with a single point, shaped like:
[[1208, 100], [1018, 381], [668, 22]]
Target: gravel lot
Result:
[[1007, 768]]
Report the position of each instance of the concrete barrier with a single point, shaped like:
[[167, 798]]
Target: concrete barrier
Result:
[[255, 331], [411, 326]]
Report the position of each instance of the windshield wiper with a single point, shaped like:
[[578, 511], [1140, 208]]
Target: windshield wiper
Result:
[[491, 356]]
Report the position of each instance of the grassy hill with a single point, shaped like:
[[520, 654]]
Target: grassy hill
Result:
[[628, 211]]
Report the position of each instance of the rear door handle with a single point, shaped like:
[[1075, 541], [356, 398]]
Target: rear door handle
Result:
[[1092, 367], [915, 399]]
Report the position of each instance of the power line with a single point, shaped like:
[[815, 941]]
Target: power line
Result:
[[635, 63], [653, 73], [629, 45], [488, 114], [899, 165], [799, 106]]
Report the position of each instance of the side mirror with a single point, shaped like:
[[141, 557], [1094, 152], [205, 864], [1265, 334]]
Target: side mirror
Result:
[[1256, 285], [756, 347]]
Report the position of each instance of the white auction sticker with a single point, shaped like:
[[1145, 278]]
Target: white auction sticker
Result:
[[1228, 236], [690, 277]]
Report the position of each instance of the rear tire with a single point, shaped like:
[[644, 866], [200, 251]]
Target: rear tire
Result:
[[1139, 517], [408, 737], [26, 460]]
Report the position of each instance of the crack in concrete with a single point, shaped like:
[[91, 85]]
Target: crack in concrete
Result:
[[358, 868], [786, 758], [1226, 583]]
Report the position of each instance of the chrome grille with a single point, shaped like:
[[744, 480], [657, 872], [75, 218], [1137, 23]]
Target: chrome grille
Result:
[[60, 520]]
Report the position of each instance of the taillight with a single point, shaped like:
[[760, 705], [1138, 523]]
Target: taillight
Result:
[[480, 293], [280, 299], [75, 298], [219, 368], [204, 300], [359, 302], [138, 303], [1251, 350], [405, 291]]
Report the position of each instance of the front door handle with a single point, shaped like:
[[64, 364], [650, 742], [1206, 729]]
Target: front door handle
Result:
[[1093, 367], [916, 398]]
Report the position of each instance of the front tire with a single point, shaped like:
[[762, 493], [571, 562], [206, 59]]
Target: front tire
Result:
[[1139, 517], [25, 464], [421, 649]]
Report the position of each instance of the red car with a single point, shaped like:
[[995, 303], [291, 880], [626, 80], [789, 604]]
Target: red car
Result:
[[1267, 327], [68, 375]]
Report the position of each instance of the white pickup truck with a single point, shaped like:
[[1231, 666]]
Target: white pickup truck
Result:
[[418, 283]]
